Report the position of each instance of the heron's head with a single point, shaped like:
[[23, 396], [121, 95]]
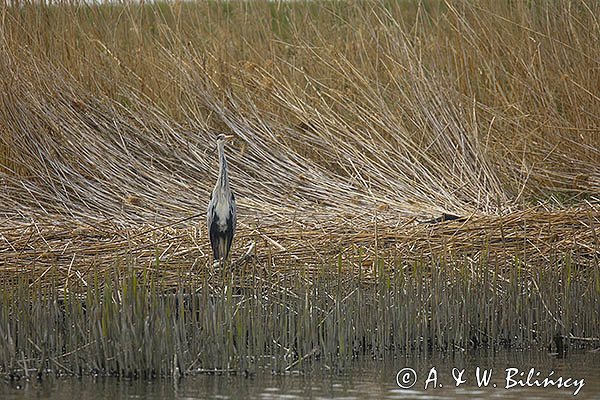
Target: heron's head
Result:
[[222, 138]]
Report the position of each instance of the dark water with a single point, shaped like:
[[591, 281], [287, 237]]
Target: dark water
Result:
[[362, 378]]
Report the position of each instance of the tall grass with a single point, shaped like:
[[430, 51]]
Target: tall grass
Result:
[[422, 107], [129, 326]]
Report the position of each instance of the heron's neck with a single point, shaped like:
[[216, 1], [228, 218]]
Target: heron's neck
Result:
[[222, 181]]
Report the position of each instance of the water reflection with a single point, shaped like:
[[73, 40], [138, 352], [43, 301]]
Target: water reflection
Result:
[[355, 379]]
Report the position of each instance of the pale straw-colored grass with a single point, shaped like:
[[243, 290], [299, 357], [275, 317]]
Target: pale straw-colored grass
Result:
[[343, 115]]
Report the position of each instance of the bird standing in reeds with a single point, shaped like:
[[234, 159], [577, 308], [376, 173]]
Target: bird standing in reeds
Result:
[[221, 215]]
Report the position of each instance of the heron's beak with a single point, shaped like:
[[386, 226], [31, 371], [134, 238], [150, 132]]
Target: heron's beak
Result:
[[229, 138]]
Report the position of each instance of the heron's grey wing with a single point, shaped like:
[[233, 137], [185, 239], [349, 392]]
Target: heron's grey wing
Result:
[[233, 211], [211, 225], [210, 212], [232, 220]]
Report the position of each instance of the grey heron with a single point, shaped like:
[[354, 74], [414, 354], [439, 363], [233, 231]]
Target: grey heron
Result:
[[221, 214]]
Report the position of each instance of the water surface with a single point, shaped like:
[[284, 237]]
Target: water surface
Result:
[[361, 378]]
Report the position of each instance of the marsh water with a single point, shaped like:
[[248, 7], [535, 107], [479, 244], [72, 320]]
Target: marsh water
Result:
[[359, 378]]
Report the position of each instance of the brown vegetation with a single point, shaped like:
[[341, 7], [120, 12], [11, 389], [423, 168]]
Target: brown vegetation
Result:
[[344, 114]]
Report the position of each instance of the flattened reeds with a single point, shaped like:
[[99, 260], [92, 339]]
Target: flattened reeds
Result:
[[417, 110]]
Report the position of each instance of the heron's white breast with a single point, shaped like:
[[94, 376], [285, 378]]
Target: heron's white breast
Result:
[[222, 207]]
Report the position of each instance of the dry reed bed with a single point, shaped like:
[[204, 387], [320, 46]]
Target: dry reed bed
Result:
[[423, 108], [72, 252], [155, 312]]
